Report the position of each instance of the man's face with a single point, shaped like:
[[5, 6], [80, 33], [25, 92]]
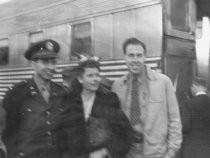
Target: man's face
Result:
[[134, 57], [90, 79], [45, 68]]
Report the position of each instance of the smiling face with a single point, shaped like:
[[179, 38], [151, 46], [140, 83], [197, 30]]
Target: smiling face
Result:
[[44, 68], [134, 57], [90, 79]]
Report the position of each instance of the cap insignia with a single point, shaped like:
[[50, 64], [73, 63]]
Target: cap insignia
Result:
[[49, 46]]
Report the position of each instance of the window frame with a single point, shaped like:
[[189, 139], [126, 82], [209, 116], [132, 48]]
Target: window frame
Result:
[[4, 44], [90, 52]]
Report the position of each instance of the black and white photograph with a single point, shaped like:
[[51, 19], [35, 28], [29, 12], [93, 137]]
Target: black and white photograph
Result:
[[104, 79]]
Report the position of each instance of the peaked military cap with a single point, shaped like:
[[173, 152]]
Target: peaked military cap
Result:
[[42, 50]]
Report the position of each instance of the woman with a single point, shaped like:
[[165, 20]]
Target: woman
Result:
[[99, 128]]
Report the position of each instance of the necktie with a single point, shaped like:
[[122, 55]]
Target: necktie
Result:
[[45, 94], [135, 109]]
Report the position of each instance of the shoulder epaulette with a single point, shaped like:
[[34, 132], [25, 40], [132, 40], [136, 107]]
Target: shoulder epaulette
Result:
[[16, 92], [18, 85]]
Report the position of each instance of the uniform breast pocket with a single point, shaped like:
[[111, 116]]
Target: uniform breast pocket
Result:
[[29, 118], [155, 100], [26, 112], [156, 120]]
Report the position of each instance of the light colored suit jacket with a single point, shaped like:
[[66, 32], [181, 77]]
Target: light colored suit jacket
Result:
[[159, 112]]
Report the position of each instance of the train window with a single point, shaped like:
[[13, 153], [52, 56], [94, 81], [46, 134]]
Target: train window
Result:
[[180, 22], [81, 39], [179, 17], [4, 51], [35, 37]]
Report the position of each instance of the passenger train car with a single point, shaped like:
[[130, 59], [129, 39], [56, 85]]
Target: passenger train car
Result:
[[99, 27]]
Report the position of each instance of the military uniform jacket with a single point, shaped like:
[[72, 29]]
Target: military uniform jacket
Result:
[[33, 126]]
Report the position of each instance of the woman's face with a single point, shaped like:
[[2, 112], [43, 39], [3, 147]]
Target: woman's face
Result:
[[90, 79]]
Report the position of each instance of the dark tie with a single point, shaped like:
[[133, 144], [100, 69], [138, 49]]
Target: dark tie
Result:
[[135, 109]]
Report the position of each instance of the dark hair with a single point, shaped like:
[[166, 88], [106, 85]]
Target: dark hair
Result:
[[133, 41], [69, 72], [199, 81], [87, 64]]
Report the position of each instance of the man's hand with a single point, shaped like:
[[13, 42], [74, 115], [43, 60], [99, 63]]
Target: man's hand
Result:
[[101, 153], [170, 154], [3, 150], [167, 156]]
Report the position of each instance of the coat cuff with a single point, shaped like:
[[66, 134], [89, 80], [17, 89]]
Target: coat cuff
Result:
[[3, 149], [170, 153]]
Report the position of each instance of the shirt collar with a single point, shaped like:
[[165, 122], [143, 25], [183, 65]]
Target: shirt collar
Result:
[[149, 74], [41, 85]]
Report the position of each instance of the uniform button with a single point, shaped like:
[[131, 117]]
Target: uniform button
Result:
[[29, 110], [49, 141], [48, 122], [61, 109], [20, 154], [48, 113], [49, 133], [33, 93], [92, 142]]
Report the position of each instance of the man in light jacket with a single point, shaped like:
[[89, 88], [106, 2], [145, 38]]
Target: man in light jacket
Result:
[[152, 109]]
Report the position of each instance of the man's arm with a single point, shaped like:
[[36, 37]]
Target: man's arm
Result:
[[2, 126], [174, 121], [11, 104], [186, 118], [9, 121]]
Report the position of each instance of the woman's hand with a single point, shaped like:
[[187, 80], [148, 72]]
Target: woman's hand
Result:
[[101, 153]]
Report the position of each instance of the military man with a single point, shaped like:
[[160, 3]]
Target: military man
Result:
[[34, 107]]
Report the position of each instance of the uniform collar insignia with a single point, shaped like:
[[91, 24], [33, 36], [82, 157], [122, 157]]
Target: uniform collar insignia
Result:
[[31, 87], [33, 91]]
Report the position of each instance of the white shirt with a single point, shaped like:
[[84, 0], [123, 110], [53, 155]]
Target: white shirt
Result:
[[87, 105]]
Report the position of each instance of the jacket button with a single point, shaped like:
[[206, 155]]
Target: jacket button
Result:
[[49, 133], [48, 113], [21, 154], [48, 122], [49, 140], [61, 109], [29, 110]]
